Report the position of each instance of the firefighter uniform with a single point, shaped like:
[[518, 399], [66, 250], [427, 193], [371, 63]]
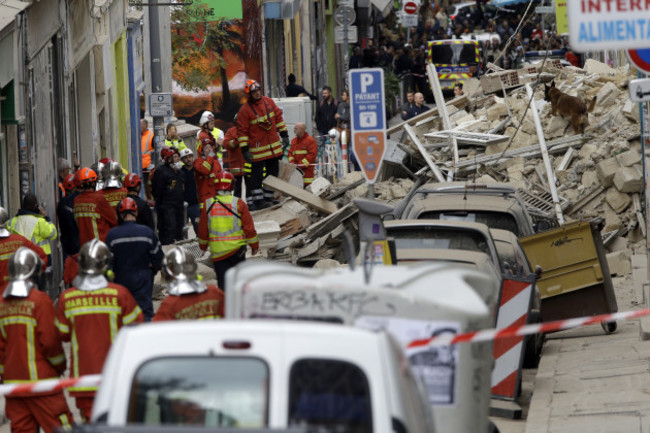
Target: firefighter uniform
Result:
[[205, 305], [31, 350], [177, 143], [226, 229], [90, 320], [137, 256], [9, 243], [205, 168], [94, 216], [259, 127], [114, 195], [234, 160], [303, 153]]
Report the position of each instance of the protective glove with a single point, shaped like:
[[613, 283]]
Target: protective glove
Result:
[[246, 153], [285, 144]]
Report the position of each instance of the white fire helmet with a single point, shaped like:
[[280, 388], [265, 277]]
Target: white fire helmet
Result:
[[185, 152], [24, 266], [206, 117], [179, 268], [94, 258]]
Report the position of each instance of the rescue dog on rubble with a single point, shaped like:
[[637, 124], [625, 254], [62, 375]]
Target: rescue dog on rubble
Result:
[[567, 105]]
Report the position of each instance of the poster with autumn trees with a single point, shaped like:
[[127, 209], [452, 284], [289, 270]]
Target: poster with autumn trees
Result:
[[216, 47]]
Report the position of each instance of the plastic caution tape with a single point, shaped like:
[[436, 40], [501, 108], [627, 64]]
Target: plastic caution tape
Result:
[[49, 385], [516, 331]]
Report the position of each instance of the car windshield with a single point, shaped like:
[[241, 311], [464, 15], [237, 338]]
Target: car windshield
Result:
[[439, 238], [329, 396], [494, 220], [201, 391]]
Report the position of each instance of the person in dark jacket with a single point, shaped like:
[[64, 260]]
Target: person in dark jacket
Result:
[[65, 214], [294, 89], [326, 112], [191, 196], [133, 184], [137, 256], [168, 191]]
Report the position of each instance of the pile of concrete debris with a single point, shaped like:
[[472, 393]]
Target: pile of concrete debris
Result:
[[598, 173]]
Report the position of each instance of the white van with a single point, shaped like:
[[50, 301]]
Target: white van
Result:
[[412, 302], [260, 374]]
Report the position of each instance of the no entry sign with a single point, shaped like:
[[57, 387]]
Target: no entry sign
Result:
[[410, 8]]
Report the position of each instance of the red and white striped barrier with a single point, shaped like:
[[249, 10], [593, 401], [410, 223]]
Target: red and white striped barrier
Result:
[[514, 305], [49, 385], [515, 330]]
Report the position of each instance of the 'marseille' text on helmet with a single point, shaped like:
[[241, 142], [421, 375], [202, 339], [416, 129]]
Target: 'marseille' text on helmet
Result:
[[206, 117], [111, 174], [225, 181], [127, 205], [24, 266], [251, 86], [179, 267]]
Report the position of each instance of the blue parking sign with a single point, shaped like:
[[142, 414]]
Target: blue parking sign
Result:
[[368, 119], [367, 106]]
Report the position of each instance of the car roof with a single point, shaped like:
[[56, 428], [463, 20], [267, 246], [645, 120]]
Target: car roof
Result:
[[504, 236]]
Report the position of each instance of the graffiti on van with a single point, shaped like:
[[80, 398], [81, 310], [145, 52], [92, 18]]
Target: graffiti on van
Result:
[[353, 303]]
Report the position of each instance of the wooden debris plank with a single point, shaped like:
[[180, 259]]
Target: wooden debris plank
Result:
[[339, 192], [291, 227], [299, 194], [329, 223]]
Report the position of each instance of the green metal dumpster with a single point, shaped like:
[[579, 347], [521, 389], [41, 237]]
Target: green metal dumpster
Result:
[[575, 278]]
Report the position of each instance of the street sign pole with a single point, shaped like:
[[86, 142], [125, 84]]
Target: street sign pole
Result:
[[345, 47]]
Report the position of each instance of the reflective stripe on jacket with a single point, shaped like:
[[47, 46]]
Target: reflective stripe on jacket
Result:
[[303, 153], [178, 144]]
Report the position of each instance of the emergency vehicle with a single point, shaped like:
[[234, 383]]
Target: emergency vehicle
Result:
[[456, 60]]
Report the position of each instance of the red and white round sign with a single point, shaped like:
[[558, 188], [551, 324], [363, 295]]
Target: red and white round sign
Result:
[[410, 7]]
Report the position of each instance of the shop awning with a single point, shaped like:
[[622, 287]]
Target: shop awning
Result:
[[8, 11]]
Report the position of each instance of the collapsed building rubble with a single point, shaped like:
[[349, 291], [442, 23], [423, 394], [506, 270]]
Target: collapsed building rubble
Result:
[[598, 172]]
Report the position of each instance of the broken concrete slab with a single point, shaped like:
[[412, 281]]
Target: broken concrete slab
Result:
[[628, 180], [617, 200], [606, 170]]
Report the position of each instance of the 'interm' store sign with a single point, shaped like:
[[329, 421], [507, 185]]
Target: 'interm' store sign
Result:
[[597, 25]]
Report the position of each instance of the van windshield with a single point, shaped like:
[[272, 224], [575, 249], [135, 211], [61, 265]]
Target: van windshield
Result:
[[494, 220], [438, 238], [330, 396], [201, 391]]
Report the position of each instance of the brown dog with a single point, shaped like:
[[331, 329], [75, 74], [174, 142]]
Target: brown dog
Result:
[[568, 105]]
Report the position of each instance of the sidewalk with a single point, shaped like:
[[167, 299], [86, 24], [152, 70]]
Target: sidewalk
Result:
[[588, 381]]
